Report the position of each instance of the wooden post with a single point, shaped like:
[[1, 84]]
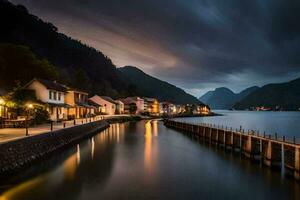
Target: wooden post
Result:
[[232, 139], [217, 136], [26, 127], [74, 122], [261, 147], [297, 163], [224, 137], [248, 147], [268, 154], [51, 125], [241, 148], [64, 124]]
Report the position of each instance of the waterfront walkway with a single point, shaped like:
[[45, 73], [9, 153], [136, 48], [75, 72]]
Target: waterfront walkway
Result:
[[9, 134]]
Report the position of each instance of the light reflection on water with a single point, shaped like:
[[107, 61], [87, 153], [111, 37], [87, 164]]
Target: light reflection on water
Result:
[[145, 160]]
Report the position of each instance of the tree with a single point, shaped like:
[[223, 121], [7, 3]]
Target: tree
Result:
[[80, 79], [132, 108], [19, 64]]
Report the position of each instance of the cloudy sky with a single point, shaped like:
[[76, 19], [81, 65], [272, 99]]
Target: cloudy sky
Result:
[[195, 44]]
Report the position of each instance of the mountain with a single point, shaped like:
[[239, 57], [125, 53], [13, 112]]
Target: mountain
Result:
[[284, 96], [78, 64], [246, 92], [35, 48], [152, 87], [224, 98]]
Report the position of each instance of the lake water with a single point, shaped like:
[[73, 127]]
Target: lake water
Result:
[[282, 123], [146, 160]]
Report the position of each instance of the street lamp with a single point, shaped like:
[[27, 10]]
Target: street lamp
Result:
[[29, 106], [2, 102], [2, 110]]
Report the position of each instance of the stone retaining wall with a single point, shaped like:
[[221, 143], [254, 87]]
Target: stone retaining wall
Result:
[[18, 154]]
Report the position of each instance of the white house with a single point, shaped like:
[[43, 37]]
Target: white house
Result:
[[108, 105], [51, 93]]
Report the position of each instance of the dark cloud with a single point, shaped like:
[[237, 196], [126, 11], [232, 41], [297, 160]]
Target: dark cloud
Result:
[[197, 44]]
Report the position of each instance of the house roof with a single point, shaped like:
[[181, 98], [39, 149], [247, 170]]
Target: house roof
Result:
[[94, 103], [78, 91], [97, 99], [52, 85], [108, 99], [149, 99]]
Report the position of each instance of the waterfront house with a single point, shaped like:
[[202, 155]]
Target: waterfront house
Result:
[[200, 109], [167, 108], [78, 102], [180, 109], [3, 108], [151, 106], [97, 107], [133, 102], [119, 107], [108, 105], [53, 95], [203, 109]]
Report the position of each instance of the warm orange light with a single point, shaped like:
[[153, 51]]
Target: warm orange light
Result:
[[2, 102], [30, 106]]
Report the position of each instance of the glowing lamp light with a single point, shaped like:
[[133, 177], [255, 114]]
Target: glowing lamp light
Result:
[[2, 102], [30, 106]]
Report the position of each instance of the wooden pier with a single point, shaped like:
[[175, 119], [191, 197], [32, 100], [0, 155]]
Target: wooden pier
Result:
[[272, 152]]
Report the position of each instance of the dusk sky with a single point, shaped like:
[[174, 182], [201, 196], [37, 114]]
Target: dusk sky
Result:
[[195, 44]]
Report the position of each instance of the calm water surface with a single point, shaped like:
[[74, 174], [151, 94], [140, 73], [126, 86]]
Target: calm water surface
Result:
[[282, 123], [145, 160]]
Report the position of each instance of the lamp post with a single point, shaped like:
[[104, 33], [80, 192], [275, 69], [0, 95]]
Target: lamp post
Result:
[[2, 110], [29, 107]]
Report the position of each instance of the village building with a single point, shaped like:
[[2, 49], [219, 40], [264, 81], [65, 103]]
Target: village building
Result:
[[204, 109], [119, 107], [62, 102], [167, 108], [78, 102], [133, 105], [200, 109], [53, 95], [151, 106], [108, 105], [97, 107], [180, 109], [3, 108]]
